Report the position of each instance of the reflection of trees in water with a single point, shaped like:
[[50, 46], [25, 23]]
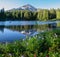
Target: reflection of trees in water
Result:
[[53, 25], [58, 24], [2, 28], [35, 27], [19, 28]]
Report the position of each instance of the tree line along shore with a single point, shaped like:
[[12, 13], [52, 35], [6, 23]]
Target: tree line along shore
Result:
[[41, 15]]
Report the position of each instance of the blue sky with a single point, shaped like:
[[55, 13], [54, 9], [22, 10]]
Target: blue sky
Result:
[[9, 4]]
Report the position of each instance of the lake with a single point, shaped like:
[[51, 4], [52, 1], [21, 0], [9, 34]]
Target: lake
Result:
[[16, 30]]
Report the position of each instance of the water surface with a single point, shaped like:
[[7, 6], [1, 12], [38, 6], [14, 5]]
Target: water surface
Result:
[[15, 30]]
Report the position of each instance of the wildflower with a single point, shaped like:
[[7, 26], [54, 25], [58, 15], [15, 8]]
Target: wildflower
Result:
[[47, 55], [22, 56], [55, 35], [42, 38], [39, 37], [10, 54]]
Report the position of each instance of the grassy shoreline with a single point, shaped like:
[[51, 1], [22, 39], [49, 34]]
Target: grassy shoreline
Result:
[[46, 44]]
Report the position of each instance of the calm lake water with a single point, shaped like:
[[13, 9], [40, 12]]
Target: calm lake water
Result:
[[15, 30]]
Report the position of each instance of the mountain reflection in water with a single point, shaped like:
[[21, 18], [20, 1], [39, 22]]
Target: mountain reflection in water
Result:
[[9, 33]]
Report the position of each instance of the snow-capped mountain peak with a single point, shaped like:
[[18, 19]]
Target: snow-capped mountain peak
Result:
[[26, 7]]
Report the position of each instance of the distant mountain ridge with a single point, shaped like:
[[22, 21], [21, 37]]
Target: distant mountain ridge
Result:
[[26, 7]]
